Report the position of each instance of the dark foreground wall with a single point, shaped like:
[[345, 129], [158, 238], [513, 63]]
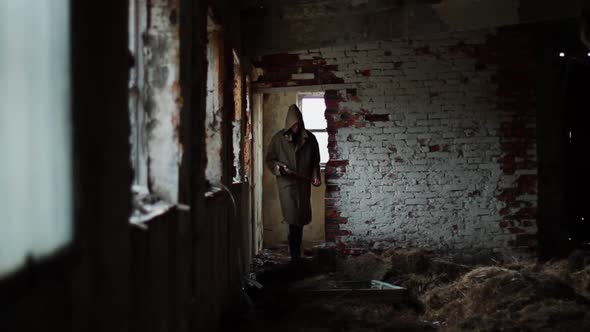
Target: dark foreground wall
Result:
[[179, 271]]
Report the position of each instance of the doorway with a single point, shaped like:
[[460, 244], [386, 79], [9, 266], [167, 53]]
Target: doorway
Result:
[[272, 110]]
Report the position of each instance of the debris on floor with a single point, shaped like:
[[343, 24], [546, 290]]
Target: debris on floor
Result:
[[438, 293]]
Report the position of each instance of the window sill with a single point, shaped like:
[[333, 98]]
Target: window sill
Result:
[[146, 207], [213, 192], [147, 212]]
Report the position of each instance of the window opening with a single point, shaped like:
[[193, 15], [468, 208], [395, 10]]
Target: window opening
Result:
[[313, 109], [35, 97]]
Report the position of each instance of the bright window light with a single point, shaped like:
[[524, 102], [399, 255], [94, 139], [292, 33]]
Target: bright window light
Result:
[[313, 113], [35, 171], [313, 109]]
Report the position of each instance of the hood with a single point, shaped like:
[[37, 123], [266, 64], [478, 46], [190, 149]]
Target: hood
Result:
[[293, 116]]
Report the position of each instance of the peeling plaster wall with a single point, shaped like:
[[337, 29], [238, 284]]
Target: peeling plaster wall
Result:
[[432, 140], [238, 126], [214, 104], [247, 122], [275, 230], [162, 98]]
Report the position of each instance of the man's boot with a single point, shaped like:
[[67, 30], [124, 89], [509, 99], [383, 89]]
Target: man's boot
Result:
[[295, 238]]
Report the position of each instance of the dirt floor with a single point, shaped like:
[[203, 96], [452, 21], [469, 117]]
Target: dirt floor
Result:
[[442, 294]]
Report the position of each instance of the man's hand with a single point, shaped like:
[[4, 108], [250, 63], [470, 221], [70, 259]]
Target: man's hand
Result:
[[284, 170], [316, 182]]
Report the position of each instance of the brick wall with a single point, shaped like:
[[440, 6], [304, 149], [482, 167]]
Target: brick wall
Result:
[[432, 140]]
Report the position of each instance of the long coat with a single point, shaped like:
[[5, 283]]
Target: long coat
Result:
[[302, 156]]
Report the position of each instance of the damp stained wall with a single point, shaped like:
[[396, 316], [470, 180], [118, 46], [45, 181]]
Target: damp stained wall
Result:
[[214, 103], [275, 108]]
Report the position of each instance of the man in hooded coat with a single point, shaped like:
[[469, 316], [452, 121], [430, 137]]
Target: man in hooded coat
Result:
[[293, 156]]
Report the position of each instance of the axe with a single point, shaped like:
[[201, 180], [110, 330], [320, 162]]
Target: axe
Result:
[[293, 173]]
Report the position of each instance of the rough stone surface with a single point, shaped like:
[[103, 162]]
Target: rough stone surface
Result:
[[435, 146]]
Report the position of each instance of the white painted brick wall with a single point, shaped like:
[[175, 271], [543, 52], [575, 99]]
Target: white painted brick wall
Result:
[[429, 200]]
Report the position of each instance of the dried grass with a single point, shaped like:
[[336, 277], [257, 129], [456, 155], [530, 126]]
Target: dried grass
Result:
[[419, 269], [581, 281], [496, 298]]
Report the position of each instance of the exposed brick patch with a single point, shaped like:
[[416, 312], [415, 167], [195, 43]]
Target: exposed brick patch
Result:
[[529, 241], [341, 117], [281, 70], [335, 169], [340, 164], [510, 52], [527, 184], [333, 222]]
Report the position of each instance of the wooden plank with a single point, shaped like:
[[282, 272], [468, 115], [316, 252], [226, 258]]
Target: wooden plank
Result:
[[376, 284]]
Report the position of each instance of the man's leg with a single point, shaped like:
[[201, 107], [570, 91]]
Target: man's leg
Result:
[[295, 238]]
